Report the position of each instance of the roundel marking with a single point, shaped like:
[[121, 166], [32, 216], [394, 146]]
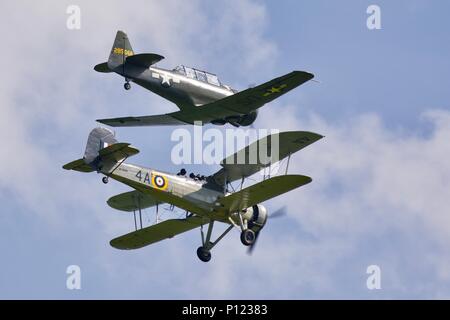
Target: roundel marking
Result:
[[159, 182]]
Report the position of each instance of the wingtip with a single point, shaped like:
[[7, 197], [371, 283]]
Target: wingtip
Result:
[[310, 75], [113, 244], [307, 179], [105, 122]]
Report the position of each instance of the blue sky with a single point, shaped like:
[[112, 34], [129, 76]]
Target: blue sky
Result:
[[380, 190]]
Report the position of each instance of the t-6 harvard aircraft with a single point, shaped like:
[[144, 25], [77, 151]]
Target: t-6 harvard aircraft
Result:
[[199, 95], [205, 199]]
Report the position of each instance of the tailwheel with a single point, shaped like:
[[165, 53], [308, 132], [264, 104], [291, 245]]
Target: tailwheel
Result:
[[203, 254], [105, 180], [127, 85], [248, 237]]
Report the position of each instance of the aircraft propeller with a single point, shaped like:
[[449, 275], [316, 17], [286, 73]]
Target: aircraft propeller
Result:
[[276, 214]]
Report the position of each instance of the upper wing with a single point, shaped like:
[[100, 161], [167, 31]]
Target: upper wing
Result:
[[132, 201], [240, 103], [156, 120], [263, 191], [250, 160], [166, 229]]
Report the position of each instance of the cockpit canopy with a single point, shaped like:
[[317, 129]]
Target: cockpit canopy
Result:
[[198, 75]]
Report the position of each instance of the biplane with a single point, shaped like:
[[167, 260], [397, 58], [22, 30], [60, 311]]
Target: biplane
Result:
[[201, 97], [206, 200]]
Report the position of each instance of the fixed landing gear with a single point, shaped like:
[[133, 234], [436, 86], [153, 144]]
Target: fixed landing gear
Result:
[[105, 180], [203, 254], [248, 237], [127, 85]]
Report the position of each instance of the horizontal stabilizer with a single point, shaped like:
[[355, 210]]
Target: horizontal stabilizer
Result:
[[157, 232], [102, 67], [118, 151], [78, 165], [132, 201], [262, 191], [144, 60]]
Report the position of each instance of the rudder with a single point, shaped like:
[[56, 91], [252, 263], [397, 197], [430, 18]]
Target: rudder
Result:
[[103, 153], [98, 139], [120, 50]]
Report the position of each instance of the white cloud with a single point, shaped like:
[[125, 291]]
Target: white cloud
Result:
[[371, 182]]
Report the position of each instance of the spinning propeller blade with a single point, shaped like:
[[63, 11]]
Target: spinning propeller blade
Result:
[[276, 214]]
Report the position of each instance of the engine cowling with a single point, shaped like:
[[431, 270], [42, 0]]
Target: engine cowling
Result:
[[237, 120], [248, 119], [256, 217]]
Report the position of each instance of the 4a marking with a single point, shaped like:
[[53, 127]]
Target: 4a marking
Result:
[[146, 177]]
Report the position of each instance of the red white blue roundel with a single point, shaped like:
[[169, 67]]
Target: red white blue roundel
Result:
[[159, 182]]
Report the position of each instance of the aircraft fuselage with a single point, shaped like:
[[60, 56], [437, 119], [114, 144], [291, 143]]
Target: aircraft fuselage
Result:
[[194, 196], [185, 92]]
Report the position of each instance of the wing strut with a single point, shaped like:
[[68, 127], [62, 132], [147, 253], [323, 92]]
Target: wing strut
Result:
[[157, 213], [206, 243], [105, 179], [138, 205], [287, 165]]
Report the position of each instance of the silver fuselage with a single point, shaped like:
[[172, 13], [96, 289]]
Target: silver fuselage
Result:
[[185, 92], [194, 196]]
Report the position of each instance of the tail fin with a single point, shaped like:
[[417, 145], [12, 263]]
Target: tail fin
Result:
[[120, 50], [102, 153], [98, 139]]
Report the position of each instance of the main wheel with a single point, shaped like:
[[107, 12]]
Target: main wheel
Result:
[[248, 237], [127, 86], [203, 254], [105, 180]]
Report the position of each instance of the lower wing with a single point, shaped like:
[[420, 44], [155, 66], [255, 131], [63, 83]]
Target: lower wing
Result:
[[132, 201], [157, 232]]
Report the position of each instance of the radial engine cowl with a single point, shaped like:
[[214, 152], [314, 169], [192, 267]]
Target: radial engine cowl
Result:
[[256, 217]]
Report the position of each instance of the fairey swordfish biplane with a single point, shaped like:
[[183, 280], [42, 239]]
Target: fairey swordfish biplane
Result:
[[206, 200], [201, 97]]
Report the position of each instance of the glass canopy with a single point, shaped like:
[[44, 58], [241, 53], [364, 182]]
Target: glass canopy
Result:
[[198, 75]]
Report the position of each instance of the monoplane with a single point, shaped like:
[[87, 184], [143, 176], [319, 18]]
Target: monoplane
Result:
[[201, 97]]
